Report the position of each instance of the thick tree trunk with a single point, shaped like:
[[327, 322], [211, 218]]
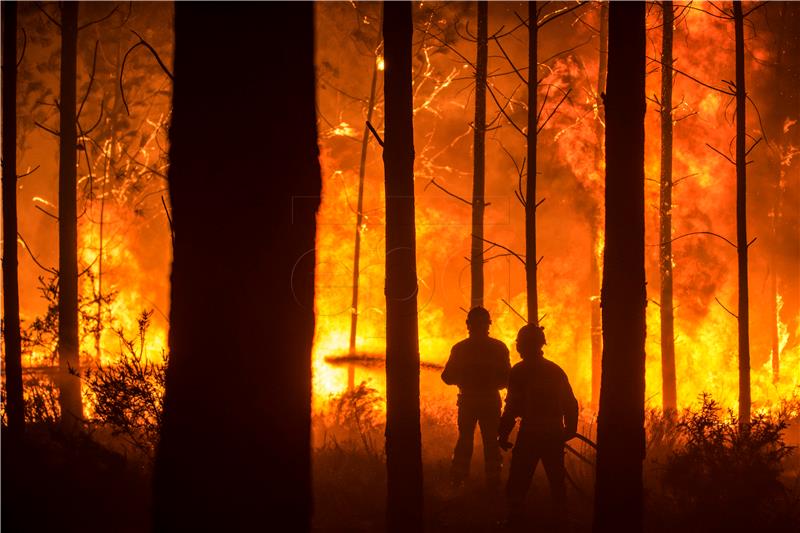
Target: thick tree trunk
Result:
[[244, 181], [479, 157], [530, 192], [741, 219], [68, 341], [620, 431], [403, 439], [15, 405], [594, 220], [669, 387], [362, 172]]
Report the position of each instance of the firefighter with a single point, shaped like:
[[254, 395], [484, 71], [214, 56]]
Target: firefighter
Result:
[[479, 366], [540, 395]]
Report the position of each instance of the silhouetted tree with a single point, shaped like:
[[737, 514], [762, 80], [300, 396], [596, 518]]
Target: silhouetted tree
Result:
[[479, 156], [15, 405], [594, 220], [532, 138], [244, 183], [669, 388], [68, 340], [620, 431], [403, 440], [362, 172], [742, 245]]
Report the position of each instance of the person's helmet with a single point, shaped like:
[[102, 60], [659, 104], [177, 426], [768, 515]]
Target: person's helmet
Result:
[[533, 334], [478, 316]]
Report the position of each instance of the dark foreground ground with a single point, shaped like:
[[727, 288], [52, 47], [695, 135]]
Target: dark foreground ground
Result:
[[53, 482]]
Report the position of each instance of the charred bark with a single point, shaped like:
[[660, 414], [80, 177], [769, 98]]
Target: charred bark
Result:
[[403, 438], [594, 272], [530, 192], [479, 157], [669, 387], [620, 431], [362, 171], [15, 405], [741, 219], [234, 452], [68, 342]]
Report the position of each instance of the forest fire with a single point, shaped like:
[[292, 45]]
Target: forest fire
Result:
[[705, 281], [296, 279]]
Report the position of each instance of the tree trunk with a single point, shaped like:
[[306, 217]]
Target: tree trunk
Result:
[[620, 431], [403, 439], [594, 272], [68, 342], [362, 172], [741, 219], [244, 183], [479, 157], [15, 405], [530, 193], [669, 387]]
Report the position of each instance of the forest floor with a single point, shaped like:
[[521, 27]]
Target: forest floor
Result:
[[55, 482]]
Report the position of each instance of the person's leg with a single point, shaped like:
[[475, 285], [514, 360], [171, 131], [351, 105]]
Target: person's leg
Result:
[[523, 464], [489, 421], [553, 462], [462, 455]]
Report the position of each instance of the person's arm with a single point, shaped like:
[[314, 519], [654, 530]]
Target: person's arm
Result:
[[570, 406], [452, 370], [512, 410]]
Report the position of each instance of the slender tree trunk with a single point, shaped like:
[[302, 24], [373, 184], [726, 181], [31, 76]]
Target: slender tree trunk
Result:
[[403, 438], [479, 156], [235, 447], [774, 320], [362, 172], [15, 405], [530, 193], [741, 219], [68, 342], [620, 432], [596, 230], [669, 387]]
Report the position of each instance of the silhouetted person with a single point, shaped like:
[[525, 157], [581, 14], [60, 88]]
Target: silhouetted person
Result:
[[539, 393], [479, 365]]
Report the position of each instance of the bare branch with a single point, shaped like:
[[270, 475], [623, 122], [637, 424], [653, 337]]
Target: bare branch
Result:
[[507, 249], [45, 128], [375, 133], [457, 197], [718, 89], [28, 173], [46, 14], [514, 310], [555, 109], [734, 315], [169, 219], [30, 252], [100, 19], [696, 233], [723, 155], [144, 43], [91, 81], [24, 46], [46, 212], [513, 66], [555, 14], [502, 110]]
